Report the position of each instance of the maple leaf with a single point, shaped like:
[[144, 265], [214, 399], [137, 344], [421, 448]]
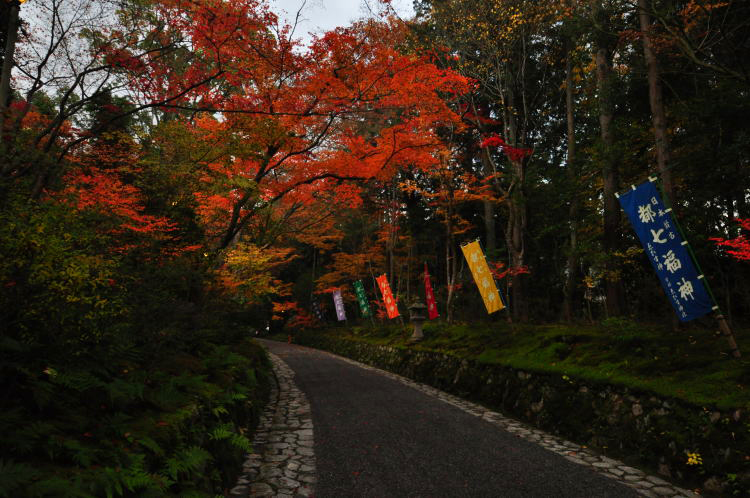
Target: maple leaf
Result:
[[515, 154], [738, 247]]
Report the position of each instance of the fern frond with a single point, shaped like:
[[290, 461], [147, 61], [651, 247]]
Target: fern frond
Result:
[[138, 479], [113, 483], [81, 454], [77, 380], [149, 443], [241, 442], [63, 487], [238, 396], [219, 411], [223, 431], [187, 461], [125, 390]]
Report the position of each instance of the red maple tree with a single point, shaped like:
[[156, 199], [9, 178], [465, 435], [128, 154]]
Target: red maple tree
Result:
[[349, 107]]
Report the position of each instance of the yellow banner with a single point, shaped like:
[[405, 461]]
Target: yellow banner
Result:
[[482, 276]]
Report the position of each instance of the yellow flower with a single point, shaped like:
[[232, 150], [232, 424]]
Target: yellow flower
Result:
[[694, 458]]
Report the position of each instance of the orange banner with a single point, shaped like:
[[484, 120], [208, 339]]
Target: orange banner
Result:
[[390, 303]]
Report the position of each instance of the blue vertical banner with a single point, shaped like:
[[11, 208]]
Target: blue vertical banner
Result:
[[667, 251], [339, 303]]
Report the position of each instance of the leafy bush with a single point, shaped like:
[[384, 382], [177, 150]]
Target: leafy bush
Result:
[[116, 381]]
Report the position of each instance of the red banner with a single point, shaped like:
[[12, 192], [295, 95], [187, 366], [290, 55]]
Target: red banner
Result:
[[385, 290], [432, 311]]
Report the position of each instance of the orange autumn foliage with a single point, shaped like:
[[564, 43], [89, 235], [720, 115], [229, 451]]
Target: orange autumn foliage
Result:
[[295, 123]]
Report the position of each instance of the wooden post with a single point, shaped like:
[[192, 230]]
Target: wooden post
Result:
[[727, 332], [376, 287]]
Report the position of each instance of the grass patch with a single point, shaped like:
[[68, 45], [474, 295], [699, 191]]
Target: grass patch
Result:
[[690, 365]]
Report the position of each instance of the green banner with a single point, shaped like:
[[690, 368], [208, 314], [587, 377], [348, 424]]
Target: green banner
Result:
[[359, 289]]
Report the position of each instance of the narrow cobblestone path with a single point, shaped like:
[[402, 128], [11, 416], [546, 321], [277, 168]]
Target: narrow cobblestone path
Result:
[[283, 461], [378, 434]]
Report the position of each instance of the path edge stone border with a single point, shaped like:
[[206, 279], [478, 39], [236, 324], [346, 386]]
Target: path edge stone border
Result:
[[282, 461]]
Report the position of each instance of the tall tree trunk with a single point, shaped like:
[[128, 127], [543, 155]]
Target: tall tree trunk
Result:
[[658, 116], [656, 100], [11, 35], [392, 240], [515, 239], [451, 260], [488, 205], [408, 273], [515, 233], [605, 80], [490, 225], [571, 266]]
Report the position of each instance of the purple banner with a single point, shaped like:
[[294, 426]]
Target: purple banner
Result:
[[338, 301]]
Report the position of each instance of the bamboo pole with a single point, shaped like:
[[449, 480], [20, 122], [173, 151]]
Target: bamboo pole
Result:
[[724, 327]]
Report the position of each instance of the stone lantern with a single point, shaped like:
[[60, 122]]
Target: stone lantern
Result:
[[417, 316]]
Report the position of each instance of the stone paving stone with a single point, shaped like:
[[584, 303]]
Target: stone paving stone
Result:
[[261, 489], [575, 460], [304, 491], [631, 478], [662, 491], [631, 470], [282, 464], [650, 486], [657, 480]]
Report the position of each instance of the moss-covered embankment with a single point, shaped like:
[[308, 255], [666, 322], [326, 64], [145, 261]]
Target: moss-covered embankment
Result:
[[656, 432]]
